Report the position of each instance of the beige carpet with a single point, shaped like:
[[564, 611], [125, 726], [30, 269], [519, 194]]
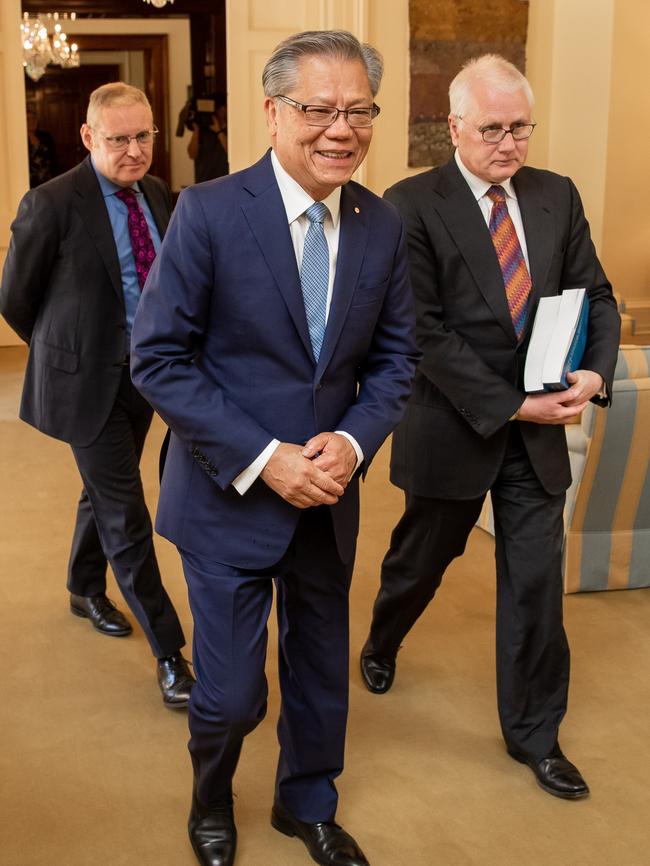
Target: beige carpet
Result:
[[93, 769]]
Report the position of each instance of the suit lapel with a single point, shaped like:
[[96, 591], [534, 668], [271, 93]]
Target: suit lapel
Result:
[[462, 216], [157, 204], [90, 204], [267, 219], [353, 238], [537, 217]]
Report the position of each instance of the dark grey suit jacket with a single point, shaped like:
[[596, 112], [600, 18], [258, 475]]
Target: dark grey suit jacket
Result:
[[62, 293], [452, 439]]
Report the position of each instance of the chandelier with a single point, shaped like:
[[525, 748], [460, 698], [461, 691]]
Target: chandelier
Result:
[[41, 48], [159, 3]]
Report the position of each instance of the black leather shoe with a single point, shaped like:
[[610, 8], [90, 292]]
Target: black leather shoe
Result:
[[213, 833], [555, 774], [102, 613], [378, 672], [327, 843], [175, 681]]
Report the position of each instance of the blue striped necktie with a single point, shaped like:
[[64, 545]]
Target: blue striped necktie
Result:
[[314, 274]]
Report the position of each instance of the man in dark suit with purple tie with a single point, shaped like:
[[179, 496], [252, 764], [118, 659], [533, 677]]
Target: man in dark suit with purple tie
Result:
[[275, 337], [80, 250], [487, 238]]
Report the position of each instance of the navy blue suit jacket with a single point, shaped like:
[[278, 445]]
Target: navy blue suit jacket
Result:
[[221, 349]]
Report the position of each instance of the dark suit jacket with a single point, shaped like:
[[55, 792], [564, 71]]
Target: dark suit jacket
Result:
[[62, 293], [221, 349], [469, 383]]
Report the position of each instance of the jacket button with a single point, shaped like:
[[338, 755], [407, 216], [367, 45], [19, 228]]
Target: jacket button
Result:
[[318, 386]]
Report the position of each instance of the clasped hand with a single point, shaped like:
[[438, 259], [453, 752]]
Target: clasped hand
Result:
[[316, 473], [559, 407]]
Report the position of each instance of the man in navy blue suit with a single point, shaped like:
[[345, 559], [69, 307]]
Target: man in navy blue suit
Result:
[[275, 337]]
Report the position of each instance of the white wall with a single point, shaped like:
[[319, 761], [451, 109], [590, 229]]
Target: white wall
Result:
[[14, 173], [569, 62], [388, 31]]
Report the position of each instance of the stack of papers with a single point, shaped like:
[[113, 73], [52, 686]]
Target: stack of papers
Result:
[[557, 342]]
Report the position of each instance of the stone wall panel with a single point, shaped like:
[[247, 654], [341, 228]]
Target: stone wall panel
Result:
[[444, 34]]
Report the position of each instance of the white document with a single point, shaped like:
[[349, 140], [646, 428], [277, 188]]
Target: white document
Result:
[[565, 328], [545, 321]]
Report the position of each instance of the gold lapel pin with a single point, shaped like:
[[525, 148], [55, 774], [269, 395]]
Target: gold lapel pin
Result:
[[356, 210]]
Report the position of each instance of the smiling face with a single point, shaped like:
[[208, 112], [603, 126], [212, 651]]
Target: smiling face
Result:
[[493, 163], [321, 158], [122, 167]]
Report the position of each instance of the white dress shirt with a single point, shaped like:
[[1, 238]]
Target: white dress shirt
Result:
[[296, 201], [479, 190]]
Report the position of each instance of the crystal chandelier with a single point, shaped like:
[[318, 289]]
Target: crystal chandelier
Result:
[[41, 47], [159, 3]]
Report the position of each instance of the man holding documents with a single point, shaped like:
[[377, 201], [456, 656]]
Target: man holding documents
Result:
[[487, 239]]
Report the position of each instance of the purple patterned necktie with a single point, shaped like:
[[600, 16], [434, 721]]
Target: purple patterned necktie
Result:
[[143, 249], [511, 258]]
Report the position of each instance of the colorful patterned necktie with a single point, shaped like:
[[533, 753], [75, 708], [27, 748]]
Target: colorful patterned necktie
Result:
[[314, 274], [513, 265], [143, 249]]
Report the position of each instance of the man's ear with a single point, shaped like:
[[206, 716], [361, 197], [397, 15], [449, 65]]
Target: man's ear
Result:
[[87, 136], [271, 110], [452, 120]]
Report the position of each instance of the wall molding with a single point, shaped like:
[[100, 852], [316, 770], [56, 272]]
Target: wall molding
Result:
[[639, 310]]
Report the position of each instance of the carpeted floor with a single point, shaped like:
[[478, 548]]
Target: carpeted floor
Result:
[[94, 770]]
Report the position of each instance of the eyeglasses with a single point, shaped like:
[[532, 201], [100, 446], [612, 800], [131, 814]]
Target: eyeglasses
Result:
[[325, 115], [496, 134], [122, 142]]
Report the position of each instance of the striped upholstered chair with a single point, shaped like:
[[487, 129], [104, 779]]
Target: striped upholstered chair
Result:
[[607, 542], [607, 513]]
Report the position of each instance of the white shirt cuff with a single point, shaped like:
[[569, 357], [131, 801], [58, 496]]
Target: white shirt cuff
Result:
[[356, 446], [246, 478]]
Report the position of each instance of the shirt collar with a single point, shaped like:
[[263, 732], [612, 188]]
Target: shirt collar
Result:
[[107, 186], [478, 186], [296, 200]]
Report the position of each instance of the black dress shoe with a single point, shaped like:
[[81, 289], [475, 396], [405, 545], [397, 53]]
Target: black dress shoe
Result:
[[327, 843], [102, 613], [555, 774], [213, 833], [378, 672], [175, 681]]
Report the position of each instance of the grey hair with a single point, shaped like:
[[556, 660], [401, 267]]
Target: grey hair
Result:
[[280, 73], [490, 69], [116, 93]]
